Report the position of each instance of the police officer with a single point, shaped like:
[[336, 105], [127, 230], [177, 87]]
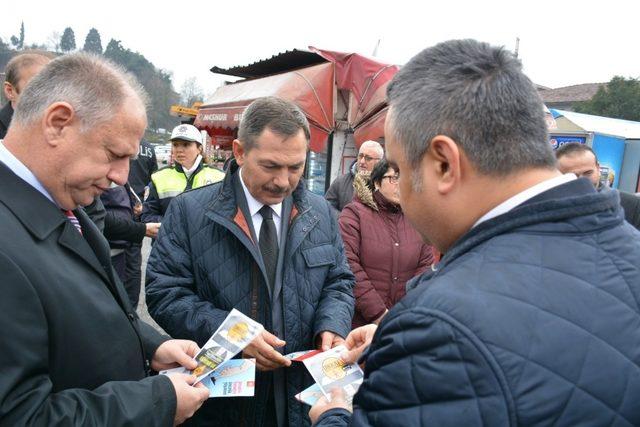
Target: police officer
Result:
[[189, 171]]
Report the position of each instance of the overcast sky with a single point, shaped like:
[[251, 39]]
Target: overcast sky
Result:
[[561, 42]]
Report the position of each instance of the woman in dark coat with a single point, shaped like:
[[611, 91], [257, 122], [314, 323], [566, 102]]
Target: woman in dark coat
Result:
[[383, 249]]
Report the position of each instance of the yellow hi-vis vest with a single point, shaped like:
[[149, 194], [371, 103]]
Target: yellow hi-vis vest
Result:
[[170, 182]]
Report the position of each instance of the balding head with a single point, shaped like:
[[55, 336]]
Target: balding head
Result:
[[94, 87], [20, 70], [76, 126]]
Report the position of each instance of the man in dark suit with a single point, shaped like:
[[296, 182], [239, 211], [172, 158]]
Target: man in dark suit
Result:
[[581, 160], [19, 70], [73, 351]]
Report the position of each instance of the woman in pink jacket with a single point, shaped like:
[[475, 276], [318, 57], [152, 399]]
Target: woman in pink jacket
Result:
[[383, 249]]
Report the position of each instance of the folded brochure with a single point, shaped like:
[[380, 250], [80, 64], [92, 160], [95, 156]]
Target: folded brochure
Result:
[[233, 335], [233, 378], [330, 371]]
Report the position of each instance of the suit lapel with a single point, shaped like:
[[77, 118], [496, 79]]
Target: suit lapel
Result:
[[41, 218], [287, 205], [89, 247]]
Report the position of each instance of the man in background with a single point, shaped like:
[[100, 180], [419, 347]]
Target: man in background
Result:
[[20, 69], [140, 170], [340, 193], [581, 160]]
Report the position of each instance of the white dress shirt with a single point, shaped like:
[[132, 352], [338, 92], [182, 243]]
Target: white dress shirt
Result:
[[254, 211], [194, 166], [525, 195], [22, 171]]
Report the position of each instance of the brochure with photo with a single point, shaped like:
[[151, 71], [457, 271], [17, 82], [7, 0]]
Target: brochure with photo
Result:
[[330, 371], [234, 378], [310, 395], [233, 335]]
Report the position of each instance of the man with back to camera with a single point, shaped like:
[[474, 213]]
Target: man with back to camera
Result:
[[261, 243], [581, 160], [532, 316], [73, 350]]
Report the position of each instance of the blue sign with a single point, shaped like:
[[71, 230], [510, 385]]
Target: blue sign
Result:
[[558, 141], [610, 151]]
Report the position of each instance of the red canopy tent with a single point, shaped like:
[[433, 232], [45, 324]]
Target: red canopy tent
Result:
[[311, 88], [366, 80]]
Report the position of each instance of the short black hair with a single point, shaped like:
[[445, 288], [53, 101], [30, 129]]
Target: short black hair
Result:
[[378, 172], [574, 148], [476, 94]]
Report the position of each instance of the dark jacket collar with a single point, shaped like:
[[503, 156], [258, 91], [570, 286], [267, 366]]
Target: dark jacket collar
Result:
[[40, 217], [575, 201], [6, 113], [23, 200], [226, 204]]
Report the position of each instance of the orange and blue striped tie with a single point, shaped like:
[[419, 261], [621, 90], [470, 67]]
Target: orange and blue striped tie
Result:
[[72, 218]]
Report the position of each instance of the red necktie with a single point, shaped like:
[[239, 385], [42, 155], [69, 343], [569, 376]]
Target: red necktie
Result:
[[71, 217]]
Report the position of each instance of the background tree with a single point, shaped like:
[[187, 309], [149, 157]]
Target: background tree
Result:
[[18, 42], [620, 99], [68, 40], [156, 82], [53, 41], [92, 42], [4, 47], [191, 92]]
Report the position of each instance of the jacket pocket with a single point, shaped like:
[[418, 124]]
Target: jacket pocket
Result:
[[319, 256]]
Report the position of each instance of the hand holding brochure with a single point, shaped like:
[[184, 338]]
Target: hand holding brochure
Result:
[[235, 333], [233, 378], [330, 371]]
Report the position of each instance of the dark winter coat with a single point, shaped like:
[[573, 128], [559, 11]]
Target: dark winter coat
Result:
[[72, 350], [205, 263], [340, 192], [384, 252], [531, 319], [6, 113], [631, 205]]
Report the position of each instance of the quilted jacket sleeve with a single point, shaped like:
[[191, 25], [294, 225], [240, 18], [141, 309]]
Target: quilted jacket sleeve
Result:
[[151, 208], [171, 293], [425, 369], [369, 304], [427, 259], [335, 310]]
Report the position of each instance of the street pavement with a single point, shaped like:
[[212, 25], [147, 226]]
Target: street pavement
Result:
[[142, 306]]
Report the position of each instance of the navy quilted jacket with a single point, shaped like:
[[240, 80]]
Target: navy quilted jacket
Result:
[[531, 319], [203, 265]]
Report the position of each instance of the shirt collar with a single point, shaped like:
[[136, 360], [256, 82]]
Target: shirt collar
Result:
[[17, 167], [193, 167], [525, 195], [255, 205]]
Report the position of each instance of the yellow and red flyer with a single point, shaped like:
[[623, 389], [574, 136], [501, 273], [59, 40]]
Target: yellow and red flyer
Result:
[[330, 371]]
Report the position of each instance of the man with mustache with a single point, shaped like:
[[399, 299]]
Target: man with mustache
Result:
[[261, 243]]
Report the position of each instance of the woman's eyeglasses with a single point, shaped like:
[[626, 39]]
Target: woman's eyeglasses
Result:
[[393, 179]]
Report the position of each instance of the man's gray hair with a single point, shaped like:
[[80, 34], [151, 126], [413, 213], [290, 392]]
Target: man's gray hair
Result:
[[478, 96], [95, 87], [282, 117], [373, 144]]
